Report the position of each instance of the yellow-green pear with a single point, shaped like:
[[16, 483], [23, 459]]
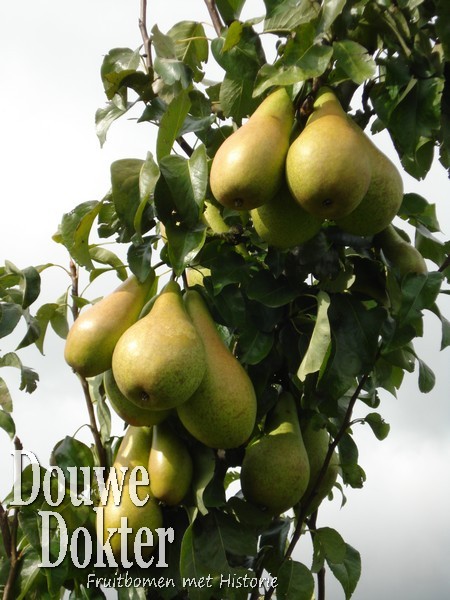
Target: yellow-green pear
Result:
[[383, 197], [221, 413], [283, 223], [402, 255], [248, 167], [275, 469], [316, 443], [92, 338], [159, 362], [169, 466], [133, 452], [130, 412], [328, 169]]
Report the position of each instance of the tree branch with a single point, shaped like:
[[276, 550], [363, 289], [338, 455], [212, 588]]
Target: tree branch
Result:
[[13, 555], [215, 17], [145, 37]]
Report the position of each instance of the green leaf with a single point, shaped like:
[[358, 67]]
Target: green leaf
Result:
[[443, 25], [29, 574], [254, 345], [244, 57], [171, 123], [106, 257], [320, 340], [5, 397], [163, 44], [348, 571], [417, 210], [70, 452], [75, 228], [378, 425], [331, 9], [233, 35], [311, 63], [105, 117], [236, 97], [294, 581], [9, 317], [125, 174], [117, 64], [7, 423], [184, 245], [186, 181], [354, 60], [29, 281], [204, 466], [230, 9], [427, 378], [271, 291], [355, 333], [328, 545], [286, 15], [191, 45], [29, 378], [33, 330], [139, 257]]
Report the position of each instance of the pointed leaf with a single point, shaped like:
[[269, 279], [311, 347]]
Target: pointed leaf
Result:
[[354, 60], [171, 124], [347, 572], [5, 397], [378, 425], [294, 582], [284, 15], [320, 339], [75, 229], [10, 314], [7, 423], [105, 117]]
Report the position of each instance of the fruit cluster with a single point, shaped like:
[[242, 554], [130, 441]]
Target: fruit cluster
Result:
[[330, 172]]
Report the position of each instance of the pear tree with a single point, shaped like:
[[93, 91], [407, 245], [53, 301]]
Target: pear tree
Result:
[[273, 276]]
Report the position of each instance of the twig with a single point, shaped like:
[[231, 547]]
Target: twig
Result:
[[215, 17], [321, 573], [184, 145], [145, 37]]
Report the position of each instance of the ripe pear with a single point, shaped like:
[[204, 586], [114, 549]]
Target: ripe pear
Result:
[[248, 167], [275, 469], [133, 452], [169, 465], [127, 410], [328, 169], [159, 362], [283, 223], [402, 255], [92, 338], [221, 413], [316, 443], [383, 197]]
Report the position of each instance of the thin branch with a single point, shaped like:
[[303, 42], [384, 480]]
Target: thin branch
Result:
[[13, 554], [185, 146], [321, 573], [145, 37], [215, 17]]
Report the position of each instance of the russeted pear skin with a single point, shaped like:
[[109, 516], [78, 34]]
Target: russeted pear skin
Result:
[[383, 197], [127, 410], [169, 466], [248, 167], [328, 169], [221, 413], [402, 255], [133, 452], [275, 469], [92, 338], [283, 223], [316, 443], [159, 362]]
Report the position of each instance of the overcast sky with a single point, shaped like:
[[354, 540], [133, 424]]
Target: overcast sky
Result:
[[51, 161]]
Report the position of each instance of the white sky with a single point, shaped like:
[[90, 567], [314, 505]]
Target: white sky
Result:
[[51, 161]]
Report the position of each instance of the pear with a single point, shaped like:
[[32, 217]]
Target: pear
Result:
[[221, 413], [133, 452], [127, 410], [169, 466], [316, 443], [248, 167], [402, 255], [383, 197], [328, 169], [275, 469], [92, 338], [159, 362], [283, 223]]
